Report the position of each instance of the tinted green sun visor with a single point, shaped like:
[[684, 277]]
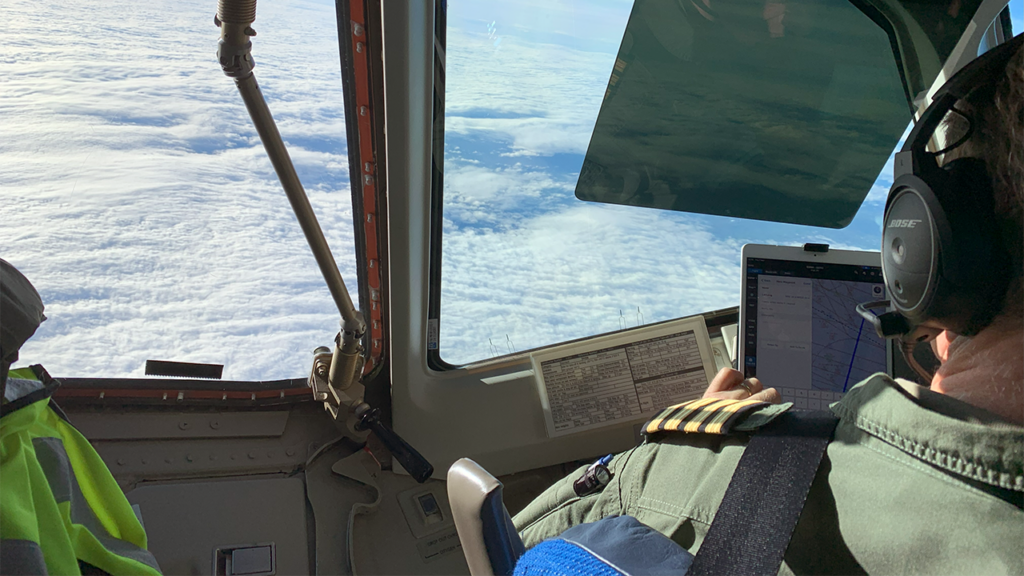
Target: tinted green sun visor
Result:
[[779, 111]]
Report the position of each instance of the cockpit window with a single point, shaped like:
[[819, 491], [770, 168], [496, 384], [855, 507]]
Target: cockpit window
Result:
[[138, 198], [524, 262]]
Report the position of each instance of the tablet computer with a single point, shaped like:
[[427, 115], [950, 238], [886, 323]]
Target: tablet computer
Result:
[[799, 329]]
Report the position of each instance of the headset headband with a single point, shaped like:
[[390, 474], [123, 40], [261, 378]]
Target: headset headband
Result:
[[957, 88]]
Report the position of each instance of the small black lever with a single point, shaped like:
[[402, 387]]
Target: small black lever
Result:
[[413, 462]]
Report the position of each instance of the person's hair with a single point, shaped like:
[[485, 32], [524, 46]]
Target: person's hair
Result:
[[996, 113]]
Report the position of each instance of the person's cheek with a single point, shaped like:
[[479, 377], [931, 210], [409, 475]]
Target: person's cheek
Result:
[[940, 346]]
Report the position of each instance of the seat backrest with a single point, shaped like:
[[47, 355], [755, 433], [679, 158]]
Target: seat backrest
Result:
[[489, 540]]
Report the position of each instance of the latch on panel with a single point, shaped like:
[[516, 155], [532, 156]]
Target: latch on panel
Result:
[[245, 560]]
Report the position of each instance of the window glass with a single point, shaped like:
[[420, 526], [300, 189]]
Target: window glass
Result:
[[139, 201], [524, 262]]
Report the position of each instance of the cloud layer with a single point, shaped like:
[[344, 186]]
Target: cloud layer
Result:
[[139, 200]]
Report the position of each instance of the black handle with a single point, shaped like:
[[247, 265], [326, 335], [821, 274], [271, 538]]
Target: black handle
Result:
[[413, 462]]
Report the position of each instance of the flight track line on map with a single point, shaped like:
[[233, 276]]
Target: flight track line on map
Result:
[[853, 356]]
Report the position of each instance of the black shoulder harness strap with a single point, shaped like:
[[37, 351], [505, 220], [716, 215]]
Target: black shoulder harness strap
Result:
[[754, 523]]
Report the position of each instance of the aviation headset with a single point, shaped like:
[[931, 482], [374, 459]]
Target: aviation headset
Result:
[[942, 256]]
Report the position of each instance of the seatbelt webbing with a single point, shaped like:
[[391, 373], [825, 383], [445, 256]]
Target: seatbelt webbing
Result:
[[754, 523]]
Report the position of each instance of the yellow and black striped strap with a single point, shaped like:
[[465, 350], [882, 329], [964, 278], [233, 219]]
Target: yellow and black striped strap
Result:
[[707, 415]]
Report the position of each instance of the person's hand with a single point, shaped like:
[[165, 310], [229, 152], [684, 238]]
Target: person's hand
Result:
[[729, 384]]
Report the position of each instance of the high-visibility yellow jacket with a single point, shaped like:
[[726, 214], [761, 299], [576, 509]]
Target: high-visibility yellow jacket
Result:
[[61, 511]]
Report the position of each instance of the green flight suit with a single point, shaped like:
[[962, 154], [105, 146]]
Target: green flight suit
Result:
[[61, 511], [914, 482]]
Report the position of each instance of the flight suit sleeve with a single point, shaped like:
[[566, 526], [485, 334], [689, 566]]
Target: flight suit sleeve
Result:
[[559, 508], [672, 483], [674, 488]]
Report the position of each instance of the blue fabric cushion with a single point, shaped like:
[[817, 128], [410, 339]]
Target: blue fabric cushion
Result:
[[613, 546]]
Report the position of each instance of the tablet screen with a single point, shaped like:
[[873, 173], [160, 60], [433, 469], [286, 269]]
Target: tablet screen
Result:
[[803, 335]]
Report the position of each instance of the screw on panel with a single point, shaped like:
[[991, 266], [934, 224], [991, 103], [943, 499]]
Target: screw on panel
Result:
[[368, 167], [363, 110], [359, 47], [357, 30], [367, 179]]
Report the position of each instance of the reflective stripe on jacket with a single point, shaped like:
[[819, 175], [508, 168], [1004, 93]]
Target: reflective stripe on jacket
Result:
[[60, 505]]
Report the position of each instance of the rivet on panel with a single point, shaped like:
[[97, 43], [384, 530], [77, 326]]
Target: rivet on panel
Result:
[[169, 460], [252, 455], [270, 454], [190, 458], [357, 30], [183, 425], [145, 460], [213, 457], [290, 452], [363, 111], [214, 424], [359, 47], [120, 461]]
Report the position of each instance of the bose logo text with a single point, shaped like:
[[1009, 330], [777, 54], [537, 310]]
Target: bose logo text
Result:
[[903, 223]]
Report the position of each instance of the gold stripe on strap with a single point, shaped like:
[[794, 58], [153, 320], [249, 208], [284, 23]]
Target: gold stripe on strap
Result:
[[670, 418], [716, 425], [694, 424], [706, 415]]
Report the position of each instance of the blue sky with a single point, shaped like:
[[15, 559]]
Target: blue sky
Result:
[[139, 201]]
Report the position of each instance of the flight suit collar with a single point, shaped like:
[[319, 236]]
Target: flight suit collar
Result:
[[943, 431]]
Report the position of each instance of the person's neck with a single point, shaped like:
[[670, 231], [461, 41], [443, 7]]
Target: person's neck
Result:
[[987, 370]]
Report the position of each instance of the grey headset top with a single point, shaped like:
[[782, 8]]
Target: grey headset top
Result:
[[21, 309]]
